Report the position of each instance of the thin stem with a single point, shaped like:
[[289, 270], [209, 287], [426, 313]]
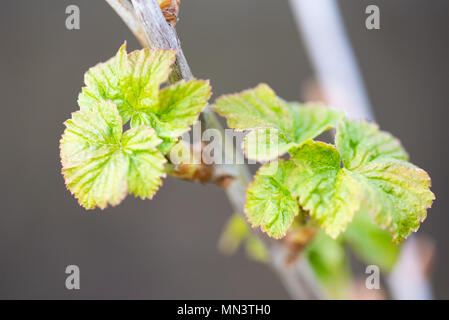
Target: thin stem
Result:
[[298, 281], [126, 11]]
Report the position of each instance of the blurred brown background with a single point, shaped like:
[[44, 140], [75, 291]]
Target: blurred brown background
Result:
[[166, 248]]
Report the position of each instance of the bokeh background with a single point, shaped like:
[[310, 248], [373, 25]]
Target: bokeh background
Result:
[[167, 247]]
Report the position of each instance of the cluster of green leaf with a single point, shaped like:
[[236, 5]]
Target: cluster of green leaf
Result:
[[361, 191], [366, 170], [100, 163]]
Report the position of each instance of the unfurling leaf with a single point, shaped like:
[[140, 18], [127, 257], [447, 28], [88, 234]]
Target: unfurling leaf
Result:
[[237, 232], [276, 126], [256, 250], [106, 81], [234, 233], [146, 163], [179, 107], [395, 192], [132, 81], [100, 164], [269, 203]]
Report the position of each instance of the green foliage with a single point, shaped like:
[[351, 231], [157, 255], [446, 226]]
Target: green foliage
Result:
[[269, 203], [395, 192], [328, 193], [132, 82], [100, 164], [275, 125], [375, 177], [361, 191], [234, 233]]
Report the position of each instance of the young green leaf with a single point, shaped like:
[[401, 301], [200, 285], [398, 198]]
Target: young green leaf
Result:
[[100, 164], [328, 192], [132, 82], [237, 232], [256, 250], [148, 69], [234, 233], [275, 125], [178, 108], [146, 162], [361, 142], [269, 203], [395, 192], [106, 81], [254, 108]]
